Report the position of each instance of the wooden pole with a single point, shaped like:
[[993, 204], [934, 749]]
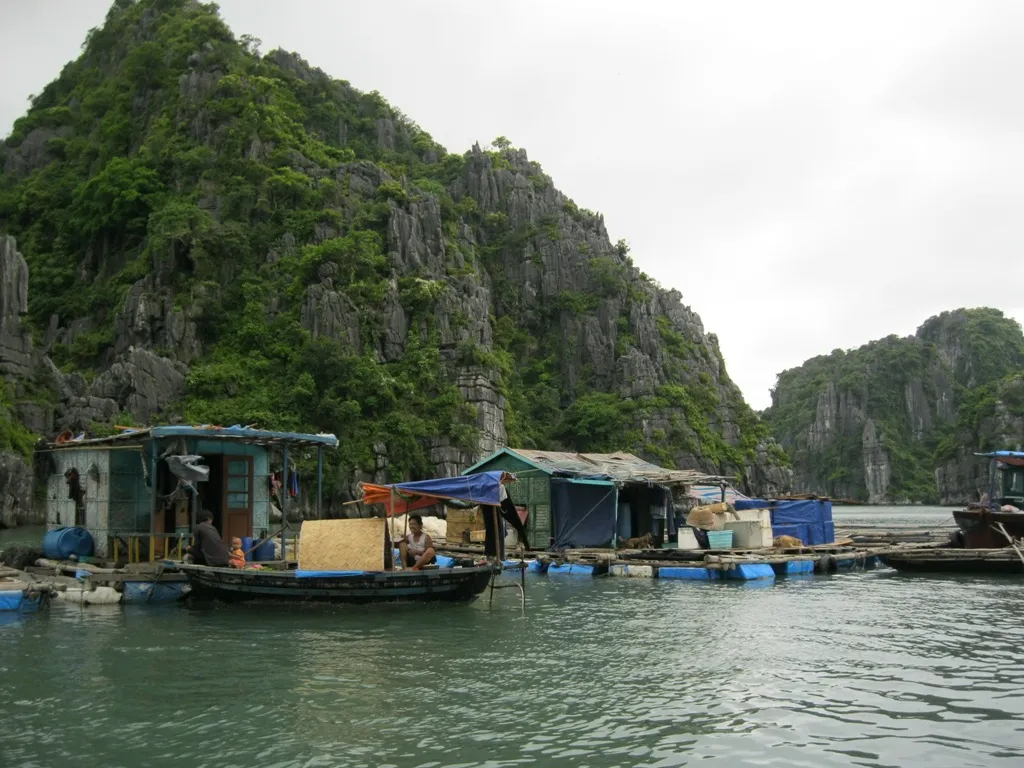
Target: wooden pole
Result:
[[319, 481], [284, 507], [1009, 538]]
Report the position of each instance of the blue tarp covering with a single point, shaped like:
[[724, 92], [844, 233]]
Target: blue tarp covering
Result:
[[809, 520], [481, 488], [583, 514]]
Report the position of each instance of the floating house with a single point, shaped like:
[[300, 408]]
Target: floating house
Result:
[[138, 492], [576, 500]]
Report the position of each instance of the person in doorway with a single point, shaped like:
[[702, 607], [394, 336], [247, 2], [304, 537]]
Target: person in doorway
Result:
[[416, 549], [208, 548]]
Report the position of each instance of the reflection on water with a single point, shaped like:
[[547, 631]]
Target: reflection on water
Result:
[[872, 669], [898, 516], [25, 535]]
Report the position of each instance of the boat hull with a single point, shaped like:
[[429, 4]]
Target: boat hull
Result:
[[441, 584], [979, 527], [959, 562]]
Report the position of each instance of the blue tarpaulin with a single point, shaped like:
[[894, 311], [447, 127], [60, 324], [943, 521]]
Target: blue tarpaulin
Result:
[[583, 514], [809, 520], [480, 488]]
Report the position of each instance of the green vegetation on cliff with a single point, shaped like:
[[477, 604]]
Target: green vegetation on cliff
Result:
[[925, 396], [320, 263]]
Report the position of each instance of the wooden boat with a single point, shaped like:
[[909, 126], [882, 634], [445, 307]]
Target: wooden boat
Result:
[[980, 527], [982, 524], [953, 560], [456, 584]]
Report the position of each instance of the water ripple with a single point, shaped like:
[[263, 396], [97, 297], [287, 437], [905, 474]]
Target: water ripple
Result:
[[868, 669]]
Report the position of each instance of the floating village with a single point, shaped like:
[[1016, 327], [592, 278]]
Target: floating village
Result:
[[125, 515]]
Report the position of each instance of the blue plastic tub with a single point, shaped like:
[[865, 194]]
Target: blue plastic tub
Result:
[[720, 539], [62, 543]]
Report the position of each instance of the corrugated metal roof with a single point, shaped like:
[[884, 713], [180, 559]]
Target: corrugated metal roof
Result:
[[622, 467], [236, 433]]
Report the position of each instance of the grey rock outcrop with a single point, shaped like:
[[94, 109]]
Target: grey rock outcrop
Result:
[[16, 492], [15, 341], [880, 411], [17, 367]]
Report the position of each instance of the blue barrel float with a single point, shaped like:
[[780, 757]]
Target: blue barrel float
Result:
[[263, 553], [247, 542], [62, 543]]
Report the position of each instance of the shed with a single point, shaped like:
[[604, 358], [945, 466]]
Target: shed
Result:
[[130, 486], [591, 499]]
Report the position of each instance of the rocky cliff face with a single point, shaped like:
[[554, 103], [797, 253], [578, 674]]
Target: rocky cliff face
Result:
[[898, 420], [226, 237]]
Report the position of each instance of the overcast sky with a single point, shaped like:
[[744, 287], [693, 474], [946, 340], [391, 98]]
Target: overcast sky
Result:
[[809, 175]]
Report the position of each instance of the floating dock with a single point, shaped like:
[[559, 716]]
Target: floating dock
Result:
[[696, 565]]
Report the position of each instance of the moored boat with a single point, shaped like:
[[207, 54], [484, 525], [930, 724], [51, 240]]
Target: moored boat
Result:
[[952, 560], [989, 523], [455, 584], [455, 581]]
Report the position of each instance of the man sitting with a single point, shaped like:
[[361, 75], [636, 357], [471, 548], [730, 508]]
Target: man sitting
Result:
[[208, 547], [416, 549]]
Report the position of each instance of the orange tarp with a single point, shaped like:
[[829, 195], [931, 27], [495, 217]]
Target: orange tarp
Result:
[[396, 505]]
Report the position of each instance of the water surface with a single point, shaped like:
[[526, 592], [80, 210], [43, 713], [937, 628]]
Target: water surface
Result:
[[870, 669]]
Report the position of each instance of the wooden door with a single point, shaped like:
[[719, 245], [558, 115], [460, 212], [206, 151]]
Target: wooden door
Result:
[[237, 499]]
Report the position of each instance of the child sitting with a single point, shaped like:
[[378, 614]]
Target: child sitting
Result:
[[237, 556]]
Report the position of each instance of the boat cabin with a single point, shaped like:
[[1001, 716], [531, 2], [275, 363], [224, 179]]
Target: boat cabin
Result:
[[138, 492], [1006, 477]]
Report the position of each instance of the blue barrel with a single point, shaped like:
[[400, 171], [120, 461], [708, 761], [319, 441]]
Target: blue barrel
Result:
[[264, 552], [62, 543], [246, 546]]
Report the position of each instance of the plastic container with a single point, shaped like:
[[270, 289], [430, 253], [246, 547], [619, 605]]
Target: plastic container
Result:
[[246, 546], [263, 553], [751, 534], [62, 543], [686, 539], [720, 539]]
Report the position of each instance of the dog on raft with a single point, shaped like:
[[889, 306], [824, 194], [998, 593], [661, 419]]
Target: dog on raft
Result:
[[787, 542], [638, 542]]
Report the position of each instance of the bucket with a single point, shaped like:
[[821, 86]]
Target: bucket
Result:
[[62, 543], [246, 546], [720, 539]]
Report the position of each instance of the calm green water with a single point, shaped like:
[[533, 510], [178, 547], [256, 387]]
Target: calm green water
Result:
[[868, 669]]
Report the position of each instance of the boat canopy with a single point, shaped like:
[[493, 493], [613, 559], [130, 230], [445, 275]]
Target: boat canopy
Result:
[[399, 498], [1007, 458]]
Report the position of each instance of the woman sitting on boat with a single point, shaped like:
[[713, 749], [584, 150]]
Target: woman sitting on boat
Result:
[[416, 549]]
